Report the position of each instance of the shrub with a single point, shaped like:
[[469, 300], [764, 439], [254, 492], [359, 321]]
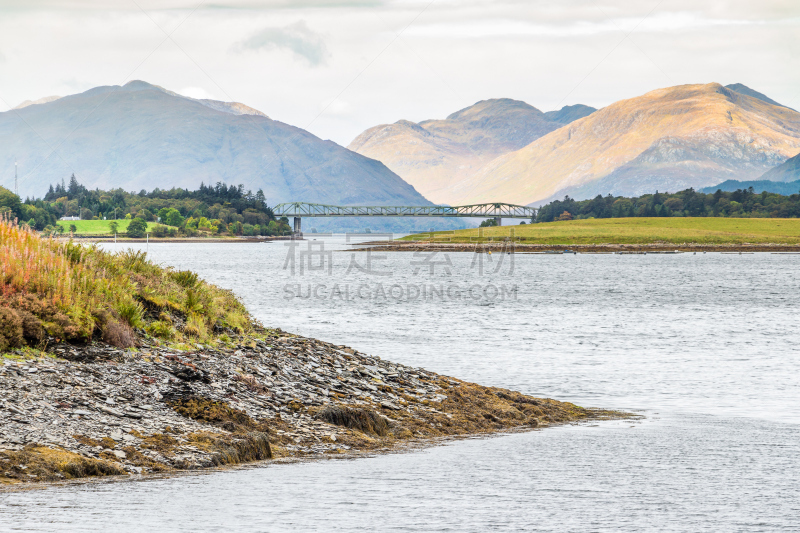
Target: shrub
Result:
[[10, 329], [32, 328], [161, 329], [131, 312], [160, 231], [118, 334], [185, 278], [137, 228], [195, 327]]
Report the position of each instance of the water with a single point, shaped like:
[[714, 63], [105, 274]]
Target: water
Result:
[[702, 345]]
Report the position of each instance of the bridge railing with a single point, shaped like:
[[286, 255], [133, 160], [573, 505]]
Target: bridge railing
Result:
[[304, 209]]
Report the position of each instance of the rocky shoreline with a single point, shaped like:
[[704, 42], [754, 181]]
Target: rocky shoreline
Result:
[[608, 248], [96, 410]]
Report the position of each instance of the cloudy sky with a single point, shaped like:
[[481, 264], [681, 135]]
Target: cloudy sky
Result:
[[337, 67]]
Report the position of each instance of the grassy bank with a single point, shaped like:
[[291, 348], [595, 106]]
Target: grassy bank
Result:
[[77, 293], [675, 230], [98, 227]]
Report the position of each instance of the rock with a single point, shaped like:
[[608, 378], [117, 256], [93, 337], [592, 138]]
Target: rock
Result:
[[110, 411], [104, 392]]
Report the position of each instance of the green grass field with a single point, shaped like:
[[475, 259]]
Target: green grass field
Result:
[[97, 227], [635, 231]]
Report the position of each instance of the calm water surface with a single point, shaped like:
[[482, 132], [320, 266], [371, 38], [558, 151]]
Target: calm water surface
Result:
[[703, 345]]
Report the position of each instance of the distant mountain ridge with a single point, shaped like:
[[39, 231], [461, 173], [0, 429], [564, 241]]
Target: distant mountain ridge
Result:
[[570, 113], [744, 89], [784, 188], [434, 154], [45, 100], [141, 136], [668, 139], [786, 171]]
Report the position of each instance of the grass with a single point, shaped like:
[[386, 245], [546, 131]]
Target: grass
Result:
[[74, 292], [38, 463], [635, 231], [98, 227]]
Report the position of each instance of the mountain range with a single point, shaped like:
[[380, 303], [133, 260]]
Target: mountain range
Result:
[[141, 136], [669, 139], [435, 155]]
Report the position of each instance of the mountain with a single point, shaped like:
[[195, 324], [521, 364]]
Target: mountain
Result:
[[787, 171], [434, 154], [570, 113], [668, 140], [140, 136], [45, 100], [744, 89], [784, 188]]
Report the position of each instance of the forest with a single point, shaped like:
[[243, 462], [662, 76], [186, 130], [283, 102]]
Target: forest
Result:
[[742, 203], [211, 209]]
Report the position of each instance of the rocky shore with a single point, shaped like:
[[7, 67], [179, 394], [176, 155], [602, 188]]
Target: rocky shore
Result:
[[97, 410]]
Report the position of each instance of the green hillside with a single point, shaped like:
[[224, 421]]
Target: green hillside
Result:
[[98, 227]]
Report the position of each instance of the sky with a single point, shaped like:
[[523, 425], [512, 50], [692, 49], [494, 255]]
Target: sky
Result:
[[338, 67]]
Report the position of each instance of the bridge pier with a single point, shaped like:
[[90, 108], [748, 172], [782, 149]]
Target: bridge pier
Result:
[[498, 221], [297, 233]]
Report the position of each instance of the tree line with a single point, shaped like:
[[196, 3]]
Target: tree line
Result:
[[211, 209], [742, 203]]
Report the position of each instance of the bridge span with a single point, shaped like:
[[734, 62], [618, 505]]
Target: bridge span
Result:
[[498, 211]]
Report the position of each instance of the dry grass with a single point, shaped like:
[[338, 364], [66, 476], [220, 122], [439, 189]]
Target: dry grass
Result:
[[357, 418], [76, 292], [637, 230], [216, 413], [40, 464]]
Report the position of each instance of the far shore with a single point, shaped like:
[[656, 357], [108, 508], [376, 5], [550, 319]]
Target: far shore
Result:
[[607, 248]]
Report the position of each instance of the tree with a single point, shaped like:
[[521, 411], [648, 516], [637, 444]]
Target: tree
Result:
[[137, 228], [10, 202], [566, 215], [73, 228], [172, 217], [113, 226], [261, 199]]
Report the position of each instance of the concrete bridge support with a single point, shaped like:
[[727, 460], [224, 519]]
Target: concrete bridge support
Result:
[[298, 231], [498, 221]]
